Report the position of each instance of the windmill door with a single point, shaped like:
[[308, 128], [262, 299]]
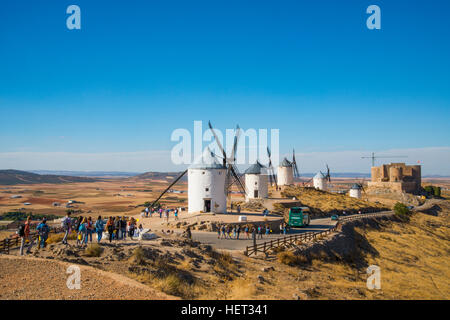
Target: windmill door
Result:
[[207, 205], [255, 194]]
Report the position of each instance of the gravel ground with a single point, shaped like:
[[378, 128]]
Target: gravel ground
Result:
[[26, 278]]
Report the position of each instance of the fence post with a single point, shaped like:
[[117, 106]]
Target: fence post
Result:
[[7, 246]]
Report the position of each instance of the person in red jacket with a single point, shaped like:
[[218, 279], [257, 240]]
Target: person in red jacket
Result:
[[26, 236]]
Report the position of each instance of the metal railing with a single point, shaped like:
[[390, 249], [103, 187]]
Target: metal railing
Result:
[[306, 236]]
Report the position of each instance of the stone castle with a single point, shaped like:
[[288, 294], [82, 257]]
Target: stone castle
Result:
[[397, 177]]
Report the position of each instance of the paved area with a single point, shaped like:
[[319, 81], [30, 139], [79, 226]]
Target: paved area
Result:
[[232, 244]]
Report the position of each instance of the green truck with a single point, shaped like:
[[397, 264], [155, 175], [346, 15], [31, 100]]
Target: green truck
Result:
[[299, 217]]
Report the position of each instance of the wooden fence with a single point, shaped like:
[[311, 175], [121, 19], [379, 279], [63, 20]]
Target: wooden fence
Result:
[[306, 236], [10, 243]]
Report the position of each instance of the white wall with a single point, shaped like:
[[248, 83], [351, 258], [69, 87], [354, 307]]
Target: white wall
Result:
[[285, 176], [256, 182], [320, 183], [199, 180], [355, 193]]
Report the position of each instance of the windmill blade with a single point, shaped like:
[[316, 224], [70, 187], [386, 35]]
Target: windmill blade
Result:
[[168, 188], [218, 143], [294, 162], [328, 173], [236, 139], [271, 170], [237, 178]]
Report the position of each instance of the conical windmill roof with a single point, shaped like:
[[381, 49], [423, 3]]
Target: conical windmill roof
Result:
[[207, 161], [356, 187], [319, 175], [286, 163], [257, 168]]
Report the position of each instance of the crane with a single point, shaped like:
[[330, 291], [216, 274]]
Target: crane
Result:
[[373, 157]]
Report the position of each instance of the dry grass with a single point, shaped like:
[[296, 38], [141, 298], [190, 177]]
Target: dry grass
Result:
[[138, 256], [322, 202], [57, 237], [242, 289], [93, 250], [290, 259], [414, 262]]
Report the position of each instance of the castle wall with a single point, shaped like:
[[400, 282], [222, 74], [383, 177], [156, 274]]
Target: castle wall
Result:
[[397, 177]]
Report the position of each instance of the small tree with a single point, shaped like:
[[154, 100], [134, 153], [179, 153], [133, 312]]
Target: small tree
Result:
[[437, 191], [402, 211]]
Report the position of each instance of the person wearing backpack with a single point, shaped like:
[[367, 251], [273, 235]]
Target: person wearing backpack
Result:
[[99, 226], [66, 225], [43, 230], [24, 233], [238, 231]]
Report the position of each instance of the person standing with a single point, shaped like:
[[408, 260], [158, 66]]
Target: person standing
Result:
[[160, 212], [222, 229], [110, 228], [117, 228], [66, 225], [131, 227], [246, 229], [167, 215], [238, 231], [219, 227], [123, 227], [175, 214], [146, 212], [254, 233], [26, 236], [260, 233], [89, 229], [82, 230], [43, 230], [238, 208], [99, 227], [77, 229]]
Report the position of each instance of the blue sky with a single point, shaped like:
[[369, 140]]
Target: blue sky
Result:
[[137, 70]]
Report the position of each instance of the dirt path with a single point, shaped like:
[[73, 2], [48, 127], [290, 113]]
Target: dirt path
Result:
[[35, 279]]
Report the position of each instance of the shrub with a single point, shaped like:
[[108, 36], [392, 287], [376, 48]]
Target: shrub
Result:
[[138, 255], [93, 250], [223, 259], [437, 191], [402, 211]]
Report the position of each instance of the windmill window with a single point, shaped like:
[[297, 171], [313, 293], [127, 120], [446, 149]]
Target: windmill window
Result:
[[203, 172], [206, 189], [256, 183]]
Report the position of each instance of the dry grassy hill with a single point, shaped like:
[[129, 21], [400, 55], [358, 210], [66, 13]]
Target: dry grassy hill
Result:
[[324, 203]]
